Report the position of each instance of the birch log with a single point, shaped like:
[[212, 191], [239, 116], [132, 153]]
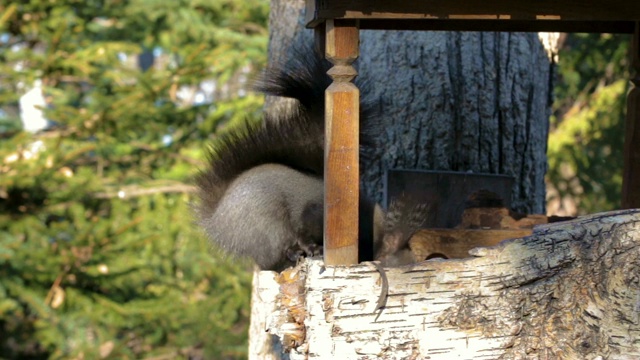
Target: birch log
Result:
[[569, 291]]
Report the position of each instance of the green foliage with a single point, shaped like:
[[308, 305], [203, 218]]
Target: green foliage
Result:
[[586, 137], [99, 256]]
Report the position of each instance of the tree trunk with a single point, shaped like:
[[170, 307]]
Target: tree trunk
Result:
[[569, 291], [462, 101]]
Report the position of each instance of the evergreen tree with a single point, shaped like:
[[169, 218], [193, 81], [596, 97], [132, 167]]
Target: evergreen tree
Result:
[[587, 129], [99, 255]]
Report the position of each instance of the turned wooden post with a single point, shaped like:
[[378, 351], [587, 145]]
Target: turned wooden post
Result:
[[631, 177], [342, 124]]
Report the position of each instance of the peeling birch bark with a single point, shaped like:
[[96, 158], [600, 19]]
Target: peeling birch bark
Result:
[[264, 303], [569, 291]]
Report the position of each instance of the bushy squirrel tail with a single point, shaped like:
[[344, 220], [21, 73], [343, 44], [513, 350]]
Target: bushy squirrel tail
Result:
[[293, 138], [262, 193]]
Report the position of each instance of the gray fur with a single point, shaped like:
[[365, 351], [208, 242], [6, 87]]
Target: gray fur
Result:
[[261, 195], [262, 215]]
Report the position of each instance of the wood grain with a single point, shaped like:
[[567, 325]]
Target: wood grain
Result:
[[342, 171], [616, 16], [573, 10], [456, 243]]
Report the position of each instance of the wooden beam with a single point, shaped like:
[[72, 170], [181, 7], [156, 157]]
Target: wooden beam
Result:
[[631, 176], [543, 10], [616, 27], [456, 243], [342, 175]]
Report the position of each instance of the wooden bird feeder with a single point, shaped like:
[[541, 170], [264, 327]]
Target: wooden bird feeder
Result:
[[337, 24]]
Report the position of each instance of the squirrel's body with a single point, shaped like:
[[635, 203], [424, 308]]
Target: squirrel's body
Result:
[[264, 215], [262, 195]]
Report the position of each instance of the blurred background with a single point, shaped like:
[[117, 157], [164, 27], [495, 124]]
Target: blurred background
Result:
[[106, 111]]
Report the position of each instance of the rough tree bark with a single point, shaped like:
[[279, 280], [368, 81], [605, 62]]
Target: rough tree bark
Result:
[[569, 291], [462, 101]]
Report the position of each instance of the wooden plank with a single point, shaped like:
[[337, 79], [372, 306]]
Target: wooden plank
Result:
[[631, 175], [456, 243], [567, 10], [342, 171], [619, 27], [498, 218]]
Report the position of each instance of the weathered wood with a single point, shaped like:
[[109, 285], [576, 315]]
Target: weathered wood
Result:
[[550, 11], [631, 176], [341, 177], [479, 227], [569, 291], [614, 27], [456, 243], [497, 218]]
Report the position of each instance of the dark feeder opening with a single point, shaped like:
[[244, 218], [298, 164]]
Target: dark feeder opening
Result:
[[468, 210]]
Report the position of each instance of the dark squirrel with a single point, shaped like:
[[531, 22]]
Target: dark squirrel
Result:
[[262, 194]]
